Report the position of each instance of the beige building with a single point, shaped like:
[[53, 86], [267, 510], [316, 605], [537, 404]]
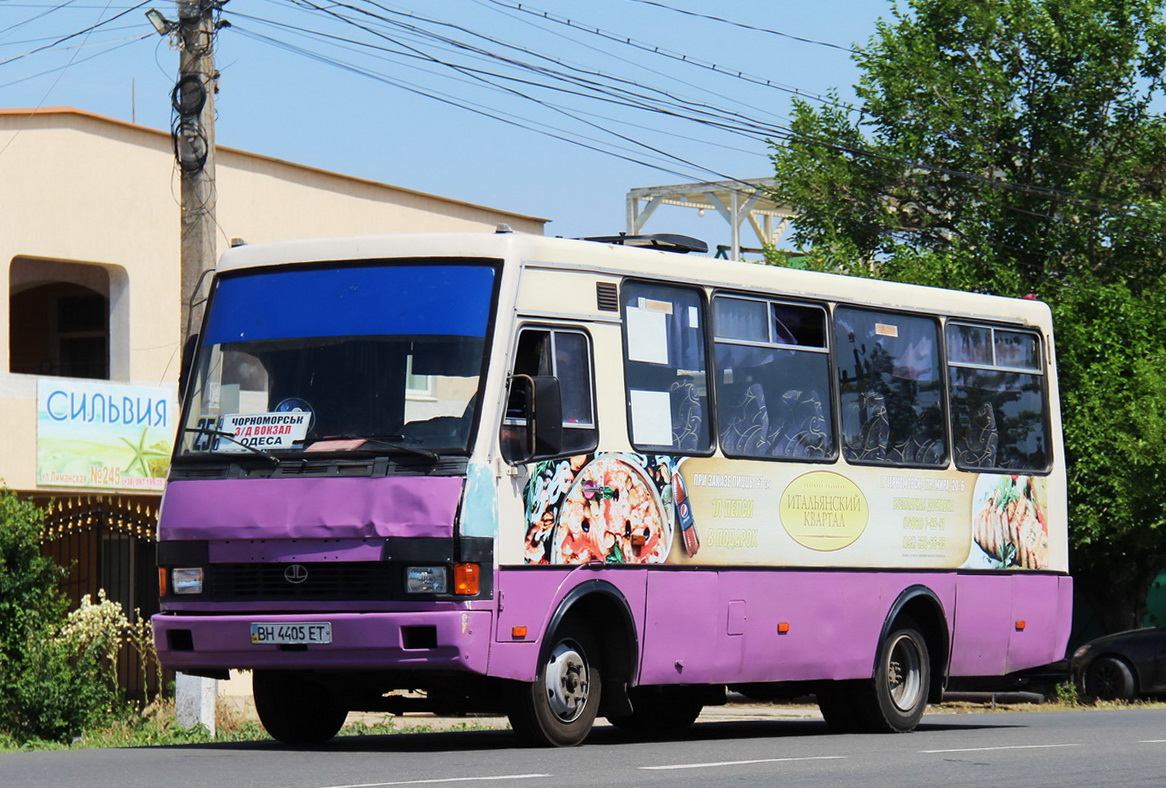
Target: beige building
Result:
[[89, 241]]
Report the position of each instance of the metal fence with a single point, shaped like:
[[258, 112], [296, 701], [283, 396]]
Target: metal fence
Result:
[[107, 542]]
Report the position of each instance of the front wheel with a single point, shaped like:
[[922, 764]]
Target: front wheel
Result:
[[559, 707], [296, 710], [1108, 678]]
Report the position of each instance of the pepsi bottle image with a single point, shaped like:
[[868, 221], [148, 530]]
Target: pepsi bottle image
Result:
[[688, 537]]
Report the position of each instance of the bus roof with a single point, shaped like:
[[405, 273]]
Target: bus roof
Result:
[[627, 261]]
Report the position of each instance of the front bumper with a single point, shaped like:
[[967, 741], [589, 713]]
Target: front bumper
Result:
[[437, 640]]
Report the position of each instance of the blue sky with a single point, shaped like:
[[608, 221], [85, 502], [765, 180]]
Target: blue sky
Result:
[[278, 98]]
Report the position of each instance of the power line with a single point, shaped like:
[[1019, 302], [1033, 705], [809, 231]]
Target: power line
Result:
[[590, 84], [115, 46], [744, 26], [32, 19], [560, 135], [479, 75], [666, 103], [71, 36], [773, 132], [662, 52]]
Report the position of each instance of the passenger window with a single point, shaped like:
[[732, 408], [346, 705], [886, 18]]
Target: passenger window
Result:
[[665, 368], [565, 355], [891, 388], [997, 399], [772, 379]]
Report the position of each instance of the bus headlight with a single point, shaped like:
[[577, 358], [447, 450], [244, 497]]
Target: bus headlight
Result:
[[187, 580], [426, 580]]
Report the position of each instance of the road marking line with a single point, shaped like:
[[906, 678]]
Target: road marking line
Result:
[[1010, 747], [434, 781], [1152, 741], [741, 763]]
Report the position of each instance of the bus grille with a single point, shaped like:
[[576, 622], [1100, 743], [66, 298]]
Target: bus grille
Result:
[[344, 580]]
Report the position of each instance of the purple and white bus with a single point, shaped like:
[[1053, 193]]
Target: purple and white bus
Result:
[[561, 478]]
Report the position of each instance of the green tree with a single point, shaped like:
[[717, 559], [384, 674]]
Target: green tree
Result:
[[1014, 147], [50, 687]]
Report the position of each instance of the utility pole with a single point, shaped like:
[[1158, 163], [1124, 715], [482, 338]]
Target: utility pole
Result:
[[193, 99], [193, 132]]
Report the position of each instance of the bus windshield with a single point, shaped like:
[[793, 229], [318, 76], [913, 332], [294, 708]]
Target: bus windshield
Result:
[[376, 358]]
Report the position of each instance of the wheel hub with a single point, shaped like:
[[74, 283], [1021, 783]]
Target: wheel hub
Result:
[[904, 674], [567, 682]]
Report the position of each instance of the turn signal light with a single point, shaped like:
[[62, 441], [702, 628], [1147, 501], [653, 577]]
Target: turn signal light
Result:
[[466, 579], [518, 633], [783, 628], [163, 584], [1020, 625]]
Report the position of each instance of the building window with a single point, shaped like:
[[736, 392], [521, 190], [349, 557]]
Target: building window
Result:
[[417, 386], [59, 319]]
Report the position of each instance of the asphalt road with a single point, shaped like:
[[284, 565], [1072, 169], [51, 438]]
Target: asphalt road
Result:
[[1031, 749]]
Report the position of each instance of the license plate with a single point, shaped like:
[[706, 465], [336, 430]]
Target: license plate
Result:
[[291, 634]]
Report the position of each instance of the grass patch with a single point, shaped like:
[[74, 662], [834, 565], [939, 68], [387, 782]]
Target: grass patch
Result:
[[157, 726]]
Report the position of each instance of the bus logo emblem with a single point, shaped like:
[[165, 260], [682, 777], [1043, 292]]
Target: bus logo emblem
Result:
[[296, 573]]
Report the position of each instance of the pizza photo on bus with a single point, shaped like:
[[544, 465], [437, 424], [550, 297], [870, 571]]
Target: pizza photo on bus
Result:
[[612, 513], [612, 509]]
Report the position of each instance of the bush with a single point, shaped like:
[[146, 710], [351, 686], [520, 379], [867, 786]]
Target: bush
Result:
[[52, 687], [57, 694], [1067, 694]]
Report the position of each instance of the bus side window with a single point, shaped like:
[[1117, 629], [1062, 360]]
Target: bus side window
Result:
[[665, 368], [772, 379], [891, 387], [997, 389], [566, 355]]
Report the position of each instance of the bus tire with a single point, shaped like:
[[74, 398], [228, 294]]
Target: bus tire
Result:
[[559, 707], [1109, 678], [660, 710], [295, 710], [893, 700], [901, 680]]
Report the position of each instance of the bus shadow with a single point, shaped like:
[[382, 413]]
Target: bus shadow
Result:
[[607, 736]]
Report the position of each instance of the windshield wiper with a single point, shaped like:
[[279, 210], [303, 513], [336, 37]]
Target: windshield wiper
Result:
[[231, 437], [379, 441]]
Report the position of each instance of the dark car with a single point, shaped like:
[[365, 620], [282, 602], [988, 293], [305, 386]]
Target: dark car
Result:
[[1121, 666]]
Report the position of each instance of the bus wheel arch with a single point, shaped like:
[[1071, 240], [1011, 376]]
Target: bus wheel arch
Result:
[[586, 662], [909, 666], [559, 707], [603, 608], [919, 604]]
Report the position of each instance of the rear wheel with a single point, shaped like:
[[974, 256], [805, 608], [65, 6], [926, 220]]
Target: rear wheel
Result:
[[559, 708], [893, 700], [1108, 678], [901, 681], [294, 709], [660, 710]]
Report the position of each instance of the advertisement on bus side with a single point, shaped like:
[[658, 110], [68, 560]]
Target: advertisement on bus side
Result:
[[632, 508]]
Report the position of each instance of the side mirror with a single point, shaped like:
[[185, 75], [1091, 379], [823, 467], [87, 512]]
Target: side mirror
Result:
[[547, 435], [187, 361], [537, 401]]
